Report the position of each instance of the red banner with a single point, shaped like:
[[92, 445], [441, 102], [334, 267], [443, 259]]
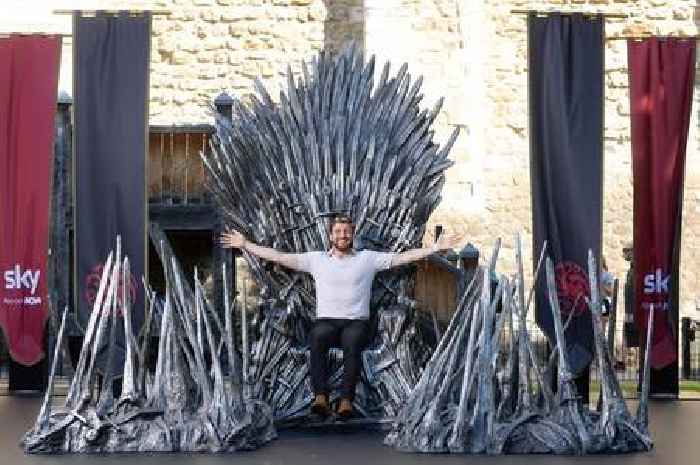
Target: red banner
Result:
[[662, 73], [28, 84]]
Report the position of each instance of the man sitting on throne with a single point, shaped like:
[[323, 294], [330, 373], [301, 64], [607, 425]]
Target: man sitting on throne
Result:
[[343, 280]]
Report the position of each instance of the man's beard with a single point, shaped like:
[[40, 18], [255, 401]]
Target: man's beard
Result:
[[342, 245]]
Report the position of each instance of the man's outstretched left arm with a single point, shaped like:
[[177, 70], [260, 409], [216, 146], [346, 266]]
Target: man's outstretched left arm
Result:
[[444, 242]]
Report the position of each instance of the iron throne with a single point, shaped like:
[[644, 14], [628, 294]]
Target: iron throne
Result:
[[335, 142]]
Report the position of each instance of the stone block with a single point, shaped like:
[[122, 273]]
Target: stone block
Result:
[[209, 16], [180, 98], [261, 27], [180, 57], [681, 14], [229, 15], [238, 29], [617, 79], [655, 15], [248, 12], [356, 15], [318, 12], [623, 108], [233, 44], [249, 70], [236, 58], [265, 69], [165, 45], [282, 14], [206, 72], [213, 43], [189, 45]]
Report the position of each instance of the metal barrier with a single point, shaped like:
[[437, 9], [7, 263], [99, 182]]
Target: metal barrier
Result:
[[690, 349]]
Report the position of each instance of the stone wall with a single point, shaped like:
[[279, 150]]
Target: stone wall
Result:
[[206, 46], [504, 178], [472, 52], [427, 35], [475, 54]]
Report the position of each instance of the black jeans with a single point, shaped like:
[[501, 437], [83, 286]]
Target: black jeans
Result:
[[350, 335]]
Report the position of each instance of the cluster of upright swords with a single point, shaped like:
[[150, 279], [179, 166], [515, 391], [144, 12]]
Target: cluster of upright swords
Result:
[[335, 143], [485, 391], [192, 400]]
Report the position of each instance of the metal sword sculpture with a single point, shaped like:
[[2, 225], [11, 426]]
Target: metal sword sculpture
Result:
[[484, 391], [188, 403], [279, 171], [334, 143], [476, 395]]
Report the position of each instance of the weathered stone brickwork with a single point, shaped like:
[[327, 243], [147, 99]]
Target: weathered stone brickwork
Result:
[[473, 52], [481, 68], [206, 46], [504, 207]]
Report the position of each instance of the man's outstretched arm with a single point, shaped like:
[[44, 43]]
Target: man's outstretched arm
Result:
[[444, 242], [237, 240]]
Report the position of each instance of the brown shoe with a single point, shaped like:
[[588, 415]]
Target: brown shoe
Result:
[[320, 405], [345, 408]]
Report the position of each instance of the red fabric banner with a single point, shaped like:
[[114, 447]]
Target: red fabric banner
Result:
[[28, 85], [661, 73]]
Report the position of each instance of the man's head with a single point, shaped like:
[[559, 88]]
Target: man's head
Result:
[[627, 250], [342, 232]]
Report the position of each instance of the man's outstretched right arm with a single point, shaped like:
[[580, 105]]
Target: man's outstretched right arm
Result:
[[237, 240]]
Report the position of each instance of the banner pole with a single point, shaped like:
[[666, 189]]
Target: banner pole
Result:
[[146, 239], [649, 36], [568, 13], [6, 34], [76, 284], [153, 12]]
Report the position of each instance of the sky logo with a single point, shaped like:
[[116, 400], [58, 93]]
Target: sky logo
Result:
[[656, 282], [18, 279]]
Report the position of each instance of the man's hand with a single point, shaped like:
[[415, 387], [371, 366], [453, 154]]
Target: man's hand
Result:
[[446, 241], [232, 239]]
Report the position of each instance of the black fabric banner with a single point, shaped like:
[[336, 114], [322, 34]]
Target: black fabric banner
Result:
[[110, 69], [566, 165]]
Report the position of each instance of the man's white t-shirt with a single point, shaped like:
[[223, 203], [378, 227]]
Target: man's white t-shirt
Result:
[[343, 285]]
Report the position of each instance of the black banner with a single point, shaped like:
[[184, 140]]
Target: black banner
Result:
[[110, 69], [566, 154]]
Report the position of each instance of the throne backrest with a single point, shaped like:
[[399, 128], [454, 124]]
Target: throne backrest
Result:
[[335, 142]]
